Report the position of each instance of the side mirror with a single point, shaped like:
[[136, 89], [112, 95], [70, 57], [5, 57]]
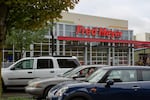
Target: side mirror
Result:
[[109, 83], [13, 68], [75, 76]]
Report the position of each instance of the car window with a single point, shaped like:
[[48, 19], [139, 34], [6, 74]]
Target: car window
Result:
[[86, 72], [97, 76], [44, 63], [146, 75], [25, 64], [67, 63], [123, 75]]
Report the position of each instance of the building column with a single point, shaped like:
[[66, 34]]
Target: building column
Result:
[[113, 54], [129, 55], [109, 54], [64, 42], [57, 47], [31, 50], [41, 49], [85, 54], [132, 54], [90, 53]]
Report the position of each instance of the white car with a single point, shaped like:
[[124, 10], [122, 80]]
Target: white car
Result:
[[25, 69]]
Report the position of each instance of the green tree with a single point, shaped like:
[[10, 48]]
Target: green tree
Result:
[[22, 39], [29, 15]]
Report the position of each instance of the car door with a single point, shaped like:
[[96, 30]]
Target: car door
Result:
[[45, 68], [122, 89], [21, 72], [145, 84]]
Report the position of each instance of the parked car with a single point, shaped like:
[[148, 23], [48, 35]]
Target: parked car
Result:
[[25, 69], [40, 87], [107, 83]]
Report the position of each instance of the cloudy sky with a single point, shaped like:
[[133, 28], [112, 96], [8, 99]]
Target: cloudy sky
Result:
[[137, 12]]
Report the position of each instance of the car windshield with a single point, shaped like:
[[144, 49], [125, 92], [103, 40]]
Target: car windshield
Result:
[[71, 72], [67, 73], [96, 76]]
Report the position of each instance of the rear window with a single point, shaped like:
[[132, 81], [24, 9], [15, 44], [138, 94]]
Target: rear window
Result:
[[44, 63], [146, 75], [68, 63]]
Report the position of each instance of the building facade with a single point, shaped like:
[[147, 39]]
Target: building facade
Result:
[[143, 37], [142, 55], [94, 40]]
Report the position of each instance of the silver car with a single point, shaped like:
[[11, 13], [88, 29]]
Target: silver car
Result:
[[39, 87]]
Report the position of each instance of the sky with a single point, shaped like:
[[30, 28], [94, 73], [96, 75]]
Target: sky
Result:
[[137, 12]]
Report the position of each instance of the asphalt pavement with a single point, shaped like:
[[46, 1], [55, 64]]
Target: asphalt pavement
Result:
[[15, 92]]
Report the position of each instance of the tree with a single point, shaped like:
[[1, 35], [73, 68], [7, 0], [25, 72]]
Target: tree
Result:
[[22, 39], [29, 15]]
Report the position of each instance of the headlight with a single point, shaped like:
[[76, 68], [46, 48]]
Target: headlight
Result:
[[36, 85], [61, 91]]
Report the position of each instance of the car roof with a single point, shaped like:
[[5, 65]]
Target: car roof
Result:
[[87, 66], [51, 57], [126, 67]]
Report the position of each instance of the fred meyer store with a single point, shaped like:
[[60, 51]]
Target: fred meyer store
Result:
[[94, 40]]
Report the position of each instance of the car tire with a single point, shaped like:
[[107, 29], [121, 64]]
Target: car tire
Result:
[[77, 98], [46, 91]]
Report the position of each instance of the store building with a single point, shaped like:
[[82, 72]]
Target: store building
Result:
[[94, 40], [142, 55]]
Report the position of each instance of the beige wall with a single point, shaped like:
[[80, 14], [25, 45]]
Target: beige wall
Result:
[[143, 37], [147, 36], [88, 20]]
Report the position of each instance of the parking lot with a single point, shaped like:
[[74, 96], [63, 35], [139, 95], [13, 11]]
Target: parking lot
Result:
[[13, 92]]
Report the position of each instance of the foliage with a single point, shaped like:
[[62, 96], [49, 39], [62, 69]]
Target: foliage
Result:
[[21, 39], [33, 14], [29, 15]]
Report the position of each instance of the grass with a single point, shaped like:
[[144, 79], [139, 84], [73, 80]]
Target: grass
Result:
[[16, 98]]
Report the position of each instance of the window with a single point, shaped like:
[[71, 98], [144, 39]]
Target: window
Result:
[[123, 75], [67, 63], [86, 72], [44, 63], [146, 75], [25, 64]]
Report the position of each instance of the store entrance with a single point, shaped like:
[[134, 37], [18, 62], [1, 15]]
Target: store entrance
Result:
[[77, 51]]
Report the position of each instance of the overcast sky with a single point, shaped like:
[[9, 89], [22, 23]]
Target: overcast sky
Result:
[[137, 12]]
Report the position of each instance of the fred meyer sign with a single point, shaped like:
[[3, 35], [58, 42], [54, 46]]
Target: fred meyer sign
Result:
[[100, 31]]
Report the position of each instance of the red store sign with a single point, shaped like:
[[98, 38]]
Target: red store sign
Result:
[[100, 31]]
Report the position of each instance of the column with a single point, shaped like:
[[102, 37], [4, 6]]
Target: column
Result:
[[132, 54], [113, 54], [109, 54], [129, 55], [85, 54], [90, 53], [31, 50]]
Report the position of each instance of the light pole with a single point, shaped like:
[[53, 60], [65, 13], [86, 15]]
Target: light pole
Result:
[[51, 23]]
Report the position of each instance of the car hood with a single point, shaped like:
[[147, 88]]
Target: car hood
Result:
[[49, 80], [70, 84]]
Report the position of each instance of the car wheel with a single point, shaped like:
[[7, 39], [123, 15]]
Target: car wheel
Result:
[[46, 91], [77, 98]]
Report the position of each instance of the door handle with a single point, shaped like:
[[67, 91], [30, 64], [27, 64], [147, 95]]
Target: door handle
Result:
[[29, 72], [52, 71], [136, 88]]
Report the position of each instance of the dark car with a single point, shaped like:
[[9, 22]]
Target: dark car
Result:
[[107, 83], [40, 87]]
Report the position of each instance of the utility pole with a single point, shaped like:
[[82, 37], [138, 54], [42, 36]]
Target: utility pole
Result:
[[53, 46], [52, 35]]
